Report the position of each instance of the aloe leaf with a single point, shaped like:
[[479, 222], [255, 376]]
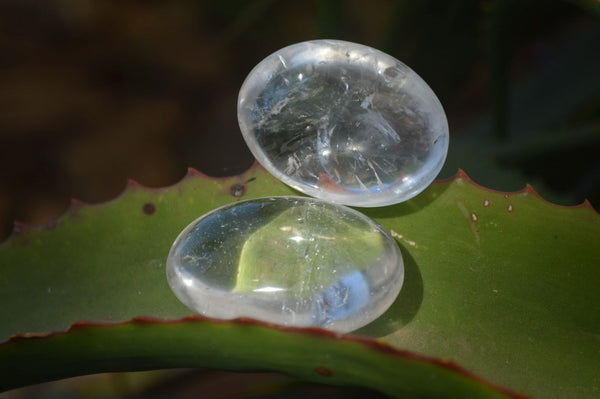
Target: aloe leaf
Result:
[[310, 354], [504, 284], [509, 284]]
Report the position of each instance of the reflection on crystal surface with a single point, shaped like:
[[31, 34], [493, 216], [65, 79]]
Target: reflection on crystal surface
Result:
[[287, 260], [343, 122]]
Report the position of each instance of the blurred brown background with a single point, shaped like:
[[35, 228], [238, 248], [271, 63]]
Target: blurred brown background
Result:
[[93, 92]]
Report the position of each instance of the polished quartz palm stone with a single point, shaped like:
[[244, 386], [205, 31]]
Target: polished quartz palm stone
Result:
[[343, 122], [287, 260]]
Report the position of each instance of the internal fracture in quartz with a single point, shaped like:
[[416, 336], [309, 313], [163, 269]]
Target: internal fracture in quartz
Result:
[[287, 260], [343, 122]]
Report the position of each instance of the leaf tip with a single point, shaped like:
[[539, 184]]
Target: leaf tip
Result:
[[133, 184], [193, 172], [75, 204], [21, 228], [587, 204], [459, 175]]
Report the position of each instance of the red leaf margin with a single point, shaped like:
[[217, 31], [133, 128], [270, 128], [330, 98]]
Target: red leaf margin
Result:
[[370, 343]]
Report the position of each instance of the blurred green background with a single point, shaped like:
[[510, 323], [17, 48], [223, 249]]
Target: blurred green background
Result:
[[93, 92]]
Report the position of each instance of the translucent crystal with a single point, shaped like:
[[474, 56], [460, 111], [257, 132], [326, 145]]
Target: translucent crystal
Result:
[[343, 122], [287, 260]]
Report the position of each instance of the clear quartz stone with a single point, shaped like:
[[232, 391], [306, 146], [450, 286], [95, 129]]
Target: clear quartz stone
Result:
[[343, 122], [292, 261]]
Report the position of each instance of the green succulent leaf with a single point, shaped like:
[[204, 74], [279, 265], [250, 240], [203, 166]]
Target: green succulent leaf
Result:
[[503, 284]]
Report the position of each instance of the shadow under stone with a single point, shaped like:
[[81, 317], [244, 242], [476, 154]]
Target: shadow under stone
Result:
[[415, 204], [406, 305]]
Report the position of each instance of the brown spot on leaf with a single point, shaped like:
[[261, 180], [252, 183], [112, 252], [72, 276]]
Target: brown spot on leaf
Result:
[[250, 179], [237, 190], [149, 208], [325, 372]]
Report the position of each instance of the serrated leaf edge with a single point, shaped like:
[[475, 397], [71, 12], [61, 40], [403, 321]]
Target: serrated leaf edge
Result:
[[75, 204]]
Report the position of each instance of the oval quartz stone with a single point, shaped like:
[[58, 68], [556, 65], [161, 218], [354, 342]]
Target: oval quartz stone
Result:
[[343, 122], [287, 260]]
